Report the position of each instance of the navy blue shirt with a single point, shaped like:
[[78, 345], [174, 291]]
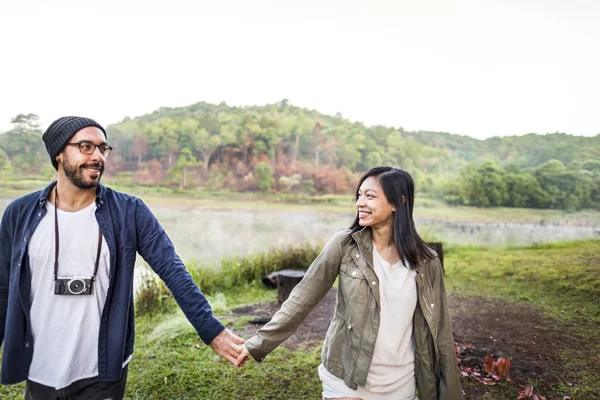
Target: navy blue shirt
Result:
[[128, 227]]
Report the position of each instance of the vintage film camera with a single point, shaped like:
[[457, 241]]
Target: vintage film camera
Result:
[[73, 285]]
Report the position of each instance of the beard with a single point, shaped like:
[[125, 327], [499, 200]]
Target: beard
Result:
[[75, 173]]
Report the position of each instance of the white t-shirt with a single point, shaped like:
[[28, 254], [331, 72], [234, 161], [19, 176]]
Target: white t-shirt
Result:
[[66, 327], [392, 371]]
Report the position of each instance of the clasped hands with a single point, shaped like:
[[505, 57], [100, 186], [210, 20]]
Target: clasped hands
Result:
[[230, 347]]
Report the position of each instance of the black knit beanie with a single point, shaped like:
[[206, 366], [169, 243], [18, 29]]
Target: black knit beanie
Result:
[[61, 131]]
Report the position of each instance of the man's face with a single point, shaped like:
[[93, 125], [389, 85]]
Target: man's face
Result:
[[83, 170]]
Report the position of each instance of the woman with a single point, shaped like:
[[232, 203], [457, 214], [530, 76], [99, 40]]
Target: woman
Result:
[[391, 332]]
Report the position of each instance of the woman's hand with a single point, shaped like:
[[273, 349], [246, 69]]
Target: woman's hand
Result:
[[241, 360]]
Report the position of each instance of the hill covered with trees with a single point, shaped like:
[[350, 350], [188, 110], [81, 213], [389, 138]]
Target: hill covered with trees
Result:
[[280, 147]]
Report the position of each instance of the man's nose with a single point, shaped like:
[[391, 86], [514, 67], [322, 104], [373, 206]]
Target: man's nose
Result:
[[97, 155]]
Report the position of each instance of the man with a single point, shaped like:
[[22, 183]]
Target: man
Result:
[[67, 257]]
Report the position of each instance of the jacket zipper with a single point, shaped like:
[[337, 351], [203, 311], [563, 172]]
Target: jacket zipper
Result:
[[427, 305], [435, 348]]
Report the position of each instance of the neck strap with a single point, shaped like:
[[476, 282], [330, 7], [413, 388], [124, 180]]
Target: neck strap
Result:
[[56, 240]]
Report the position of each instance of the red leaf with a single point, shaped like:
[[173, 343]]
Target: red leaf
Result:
[[488, 364], [502, 367], [488, 381], [528, 390]]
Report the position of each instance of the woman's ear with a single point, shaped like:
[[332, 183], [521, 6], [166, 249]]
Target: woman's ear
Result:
[[403, 199]]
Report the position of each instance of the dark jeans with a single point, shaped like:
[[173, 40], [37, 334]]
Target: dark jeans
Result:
[[88, 389]]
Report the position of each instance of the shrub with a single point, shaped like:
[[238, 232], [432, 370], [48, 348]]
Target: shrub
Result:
[[152, 294]]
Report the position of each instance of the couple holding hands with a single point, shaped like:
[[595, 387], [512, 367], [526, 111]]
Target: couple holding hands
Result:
[[67, 255]]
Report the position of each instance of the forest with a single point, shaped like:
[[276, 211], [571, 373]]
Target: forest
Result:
[[286, 149]]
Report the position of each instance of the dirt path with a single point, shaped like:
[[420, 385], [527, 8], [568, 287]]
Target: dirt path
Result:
[[480, 326]]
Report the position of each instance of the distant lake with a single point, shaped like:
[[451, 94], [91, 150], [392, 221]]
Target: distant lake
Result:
[[207, 235]]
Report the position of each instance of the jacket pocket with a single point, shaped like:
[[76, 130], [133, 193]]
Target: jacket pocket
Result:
[[353, 284], [334, 344]]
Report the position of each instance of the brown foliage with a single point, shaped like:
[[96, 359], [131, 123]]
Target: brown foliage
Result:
[[150, 173], [336, 181]]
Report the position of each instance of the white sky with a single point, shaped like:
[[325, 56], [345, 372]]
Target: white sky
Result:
[[474, 67]]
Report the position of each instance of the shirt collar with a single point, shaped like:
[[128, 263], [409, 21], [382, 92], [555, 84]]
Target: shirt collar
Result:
[[100, 194]]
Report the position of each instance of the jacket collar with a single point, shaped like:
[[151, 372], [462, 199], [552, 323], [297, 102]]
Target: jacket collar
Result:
[[100, 194], [365, 244], [44, 194]]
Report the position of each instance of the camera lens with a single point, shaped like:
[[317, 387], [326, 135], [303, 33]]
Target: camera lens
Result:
[[76, 286]]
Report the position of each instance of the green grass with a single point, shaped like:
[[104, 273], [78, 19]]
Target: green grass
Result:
[[561, 280], [172, 350], [10, 392]]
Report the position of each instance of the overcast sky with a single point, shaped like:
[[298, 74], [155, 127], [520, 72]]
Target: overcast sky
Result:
[[473, 67]]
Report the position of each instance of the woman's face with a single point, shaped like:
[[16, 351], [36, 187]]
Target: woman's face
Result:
[[373, 207]]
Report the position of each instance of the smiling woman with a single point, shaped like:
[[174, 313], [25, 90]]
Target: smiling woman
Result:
[[391, 333]]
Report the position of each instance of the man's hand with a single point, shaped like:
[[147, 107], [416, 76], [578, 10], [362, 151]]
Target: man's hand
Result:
[[241, 360], [228, 345]]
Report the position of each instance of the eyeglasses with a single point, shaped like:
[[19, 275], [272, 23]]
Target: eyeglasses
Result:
[[87, 147]]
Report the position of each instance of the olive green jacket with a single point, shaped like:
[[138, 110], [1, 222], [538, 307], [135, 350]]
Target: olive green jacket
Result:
[[350, 341]]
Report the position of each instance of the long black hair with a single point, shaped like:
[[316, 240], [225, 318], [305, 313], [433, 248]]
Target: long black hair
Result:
[[399, 189]]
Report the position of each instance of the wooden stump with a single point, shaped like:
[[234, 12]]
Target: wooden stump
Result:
[[287, 279], [270, 280]]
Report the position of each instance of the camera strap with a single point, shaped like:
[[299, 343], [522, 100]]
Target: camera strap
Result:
[[56, 241]]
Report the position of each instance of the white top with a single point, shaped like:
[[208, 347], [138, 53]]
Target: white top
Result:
[[66, 327], [392, 371]]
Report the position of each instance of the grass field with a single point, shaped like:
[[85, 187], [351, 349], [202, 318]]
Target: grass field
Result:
[[562, 281]]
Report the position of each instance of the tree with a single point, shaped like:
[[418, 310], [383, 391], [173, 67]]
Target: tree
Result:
[[179, 171], [5, 166], [318, 141], [483, 186], [140, 149], [287, 183], [23, 144], [523, 190], [264, 176]]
